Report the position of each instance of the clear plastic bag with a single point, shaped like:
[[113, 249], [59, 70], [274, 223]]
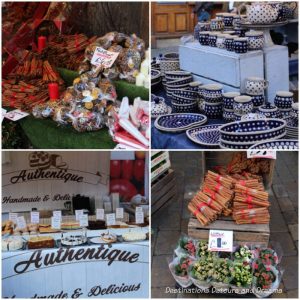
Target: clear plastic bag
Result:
[[186, 246], [88, 121], [183, 281]]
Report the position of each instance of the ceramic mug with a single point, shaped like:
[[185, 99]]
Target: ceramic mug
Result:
[[229, 43], [213, 110], [257, 100], [212, 39], [240, 45], [212, 92], [228, 99], [242, 105], [255, 40], [228, 19], [255, 85], [284, 99], [203, 38], [228, 115]]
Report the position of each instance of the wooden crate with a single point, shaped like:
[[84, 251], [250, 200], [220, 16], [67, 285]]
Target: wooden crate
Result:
[[163, 190], [164, 160], [257, 234]]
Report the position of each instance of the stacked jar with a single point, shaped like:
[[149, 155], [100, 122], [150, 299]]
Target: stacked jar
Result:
[[212, 95], [284, 101], [228, 112]]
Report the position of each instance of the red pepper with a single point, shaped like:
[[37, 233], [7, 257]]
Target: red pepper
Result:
[[115, 168], [139, 170], [127, 169], [124, 187]]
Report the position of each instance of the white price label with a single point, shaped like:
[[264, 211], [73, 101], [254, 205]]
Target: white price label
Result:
[[56, 222], [110, 219], [138, 209], [220, 240], [35, 217], [100, 214], [271, 154], [120, 213], [78, 214], [104, 58], [139, 217], [57, 213], [21, 223], [84, 221], [13, 217]]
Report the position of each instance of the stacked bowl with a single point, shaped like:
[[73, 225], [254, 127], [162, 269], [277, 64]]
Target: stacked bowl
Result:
[[213, 100], [292, 123], [155, 79], [169, 63], [228, 112], [284, 101]]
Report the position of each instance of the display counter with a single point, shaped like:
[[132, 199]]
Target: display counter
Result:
[[113, 270]]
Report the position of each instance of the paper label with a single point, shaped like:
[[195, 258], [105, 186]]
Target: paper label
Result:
[[252, 153], [104, 58], [16, 115], [13, 217], [100, 214], [120, 213], [57, 213], [220, 240], [35, 217], [110, 219], [3, 114], [84, 221], [139, 217], [138, 209], [56, 222], [78, 213], [21, 223]]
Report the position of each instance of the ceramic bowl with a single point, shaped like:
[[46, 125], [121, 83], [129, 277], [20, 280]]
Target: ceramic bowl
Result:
[[213, 111], [213, 90], [181, 100], [169, 65], [176, 75], [179, 82], [295, 112], [285, 113], [228, 99], [257, 100], [228, 115], [255, 40], [185, 108], [171, 56], [194, 86], [252, 116], [269, 111], [242, 105], [277, 145], [284, 99], [187, 94], [253, 131]]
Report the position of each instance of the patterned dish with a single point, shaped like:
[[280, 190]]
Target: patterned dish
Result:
[[179, 122], [207, 136], [277, 145]]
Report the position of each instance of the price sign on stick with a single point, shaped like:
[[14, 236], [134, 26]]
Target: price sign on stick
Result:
[[78, 213], [56, 222], [104, 58], [139, 209], [120, 213], [13, 217], [21, 223], [84, 221], [57, 213], [100, 214], [110, 219], [220, 240], [139, 217], [35, 217]]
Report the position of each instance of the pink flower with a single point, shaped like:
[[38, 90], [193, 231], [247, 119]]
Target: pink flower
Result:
[[255, 266], [268, 268]]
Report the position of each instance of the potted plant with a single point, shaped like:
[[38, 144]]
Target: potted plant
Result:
[[179, 269]]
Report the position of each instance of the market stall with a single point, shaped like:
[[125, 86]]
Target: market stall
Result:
[[229, 72], [70, 229], [107, 94]]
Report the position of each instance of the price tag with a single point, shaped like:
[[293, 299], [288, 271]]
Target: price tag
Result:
[[104, 58], [271, 154], [57, 213], [138, 209], [139, 217], [13, 217], [21, 223], [110, 219], [99, 214], [220, 240], [35, 217], [78, 213], [84, 221], [56, 222], [120, 213]]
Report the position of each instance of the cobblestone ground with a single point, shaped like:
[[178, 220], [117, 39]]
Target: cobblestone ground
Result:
[[172, 220]]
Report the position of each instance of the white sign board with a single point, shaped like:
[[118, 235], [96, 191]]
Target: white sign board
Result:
[[220, 240], [261, 153], [104, 58], [100, 214], [35, 217], [110, 219]]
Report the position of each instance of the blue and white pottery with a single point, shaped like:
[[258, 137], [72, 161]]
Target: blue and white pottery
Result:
[[237, 117], [185, 108], [240, 32], [252, 116], [186, 94], [194, 86], [257, 100], [200, 26], [180, 101], [201, 105], [171, 56], [220, 43], [242, 105], [203, 38], [285, 113], [180, 82], [158, 106], [253, 131], [213, 111], [295, 112], [228, 19], [229, 43], [240, 45], [255, 40], [225, 145], [212, 39], [173, 75], [213, 90], [228, 99], [179, 122], [228, 115], [207, 138], [277, 145], [284, 99], [256, 85], [270, 111]]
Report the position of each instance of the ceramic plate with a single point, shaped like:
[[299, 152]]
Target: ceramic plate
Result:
[[277, 145], [179, 122], [207, 138]]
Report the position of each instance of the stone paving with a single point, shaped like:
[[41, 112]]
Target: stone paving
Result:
[[172, 220]]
